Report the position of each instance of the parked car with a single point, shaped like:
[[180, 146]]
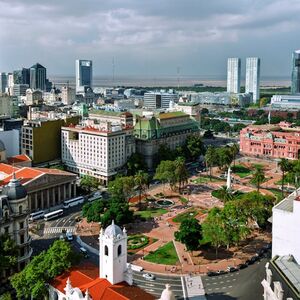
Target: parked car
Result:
[[61, 237], [69, 236], [242, 266], [84, 252], [212, 273], [149, 276], [232, 269]]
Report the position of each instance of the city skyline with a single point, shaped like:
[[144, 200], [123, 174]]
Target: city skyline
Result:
[[135, 38]]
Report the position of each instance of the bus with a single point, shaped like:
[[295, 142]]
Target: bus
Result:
[[36, 215], [95, 196], [53, 214], [73, 202]]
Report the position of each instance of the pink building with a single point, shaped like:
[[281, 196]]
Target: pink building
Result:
[[274, 141]]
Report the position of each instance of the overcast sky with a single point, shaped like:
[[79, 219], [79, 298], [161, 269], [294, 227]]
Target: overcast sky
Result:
[[148, 37]]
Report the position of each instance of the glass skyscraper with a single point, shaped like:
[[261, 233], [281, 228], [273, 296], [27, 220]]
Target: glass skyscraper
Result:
[[233, 75], [84, 74], [38, 77], [295, 87], [253, 77]]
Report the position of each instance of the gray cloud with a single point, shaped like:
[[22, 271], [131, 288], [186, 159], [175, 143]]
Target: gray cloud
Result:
[[148, 37]]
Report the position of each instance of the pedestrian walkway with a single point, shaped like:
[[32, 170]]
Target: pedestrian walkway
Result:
[[194, 287], [53, 230]]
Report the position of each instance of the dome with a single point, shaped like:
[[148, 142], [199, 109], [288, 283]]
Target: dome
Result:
[[167, 294], [2, 146], [15, 190], [113, 230]]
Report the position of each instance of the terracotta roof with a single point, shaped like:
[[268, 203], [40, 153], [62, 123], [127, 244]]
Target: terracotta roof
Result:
[[54, 171], [18, 158], [86, 277], [7, 169], [171, 115]]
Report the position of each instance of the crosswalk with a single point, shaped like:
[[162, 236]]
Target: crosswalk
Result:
[[53, 230]]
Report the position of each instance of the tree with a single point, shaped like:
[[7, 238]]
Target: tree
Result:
[[89, 183], [121, 187], [194, 146], [224, 157], [8, 253], [118, 210], [285, 166], [135, 163], [190, 234], [235, 149], [6, 296], [141, 181], [165, 172], [225, 194], [212, 229], [258, 177], [296, 171], [211, 159], [181, 173], [238, 127], [93, 211], [30, 283]]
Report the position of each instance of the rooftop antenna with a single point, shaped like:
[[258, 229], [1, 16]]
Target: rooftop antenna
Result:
[[178, 77], [113, 70]]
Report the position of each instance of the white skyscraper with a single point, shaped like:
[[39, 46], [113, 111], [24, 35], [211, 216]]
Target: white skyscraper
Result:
[[233, 75], [84, 74], [252, 77]]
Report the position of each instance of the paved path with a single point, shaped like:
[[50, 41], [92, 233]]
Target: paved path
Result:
[[53, 230], [194, 287]]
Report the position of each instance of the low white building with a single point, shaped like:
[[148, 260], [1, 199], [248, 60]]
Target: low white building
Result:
[[98, 150], [285, 101], [68, 95], [282, 281]]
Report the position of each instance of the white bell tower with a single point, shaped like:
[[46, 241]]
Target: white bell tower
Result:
[[113, 254]]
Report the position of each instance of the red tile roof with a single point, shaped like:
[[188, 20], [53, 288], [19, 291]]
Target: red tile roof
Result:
[[86, 277], [7, 169], [18, 159]]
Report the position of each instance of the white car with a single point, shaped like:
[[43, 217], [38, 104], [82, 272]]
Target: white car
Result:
[[69, 236], [149, 276]]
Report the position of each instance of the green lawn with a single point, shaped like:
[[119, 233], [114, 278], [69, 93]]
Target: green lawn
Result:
[[151, 213], [165, 255], [183, 200], [205, 179], [241, 171], [191, 213]]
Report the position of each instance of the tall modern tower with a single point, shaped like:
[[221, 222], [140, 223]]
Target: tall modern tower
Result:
[[38, 77], [233, 75], [253, 77], [295, 88], [84, 74]]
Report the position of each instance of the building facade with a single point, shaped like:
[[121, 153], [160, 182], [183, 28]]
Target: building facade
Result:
[[98, 150], [84, 74], [170, 129], [273, 141], [68, 95], [252, 83], [38, 77], [286, 101], [233, 75], [295, 87], [282, 281], [41, 139], [158, 100], [46, 188], [14, 220]]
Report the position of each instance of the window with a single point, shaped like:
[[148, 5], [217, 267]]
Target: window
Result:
[[106, 250], [20, 209], [119, 250], [21, 225]]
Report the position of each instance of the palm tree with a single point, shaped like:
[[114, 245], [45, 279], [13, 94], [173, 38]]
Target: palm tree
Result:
[[225, 194], [258, 177], [141, 181], [234, 151], [285, 166], [181, 172], [210, 159]]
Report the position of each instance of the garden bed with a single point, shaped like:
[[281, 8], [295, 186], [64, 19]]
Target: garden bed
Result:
[[191, 213]]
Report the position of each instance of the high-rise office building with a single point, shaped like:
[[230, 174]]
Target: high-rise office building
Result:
[[295, 88], [21, 76], [3, 82], [233, 75], [84, 74], [253, 77], [38, 77], [158, 100]]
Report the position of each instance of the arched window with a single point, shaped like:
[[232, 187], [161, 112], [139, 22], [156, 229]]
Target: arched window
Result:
[[20, 209], [119, 250], [106, 250], [6, 215]]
